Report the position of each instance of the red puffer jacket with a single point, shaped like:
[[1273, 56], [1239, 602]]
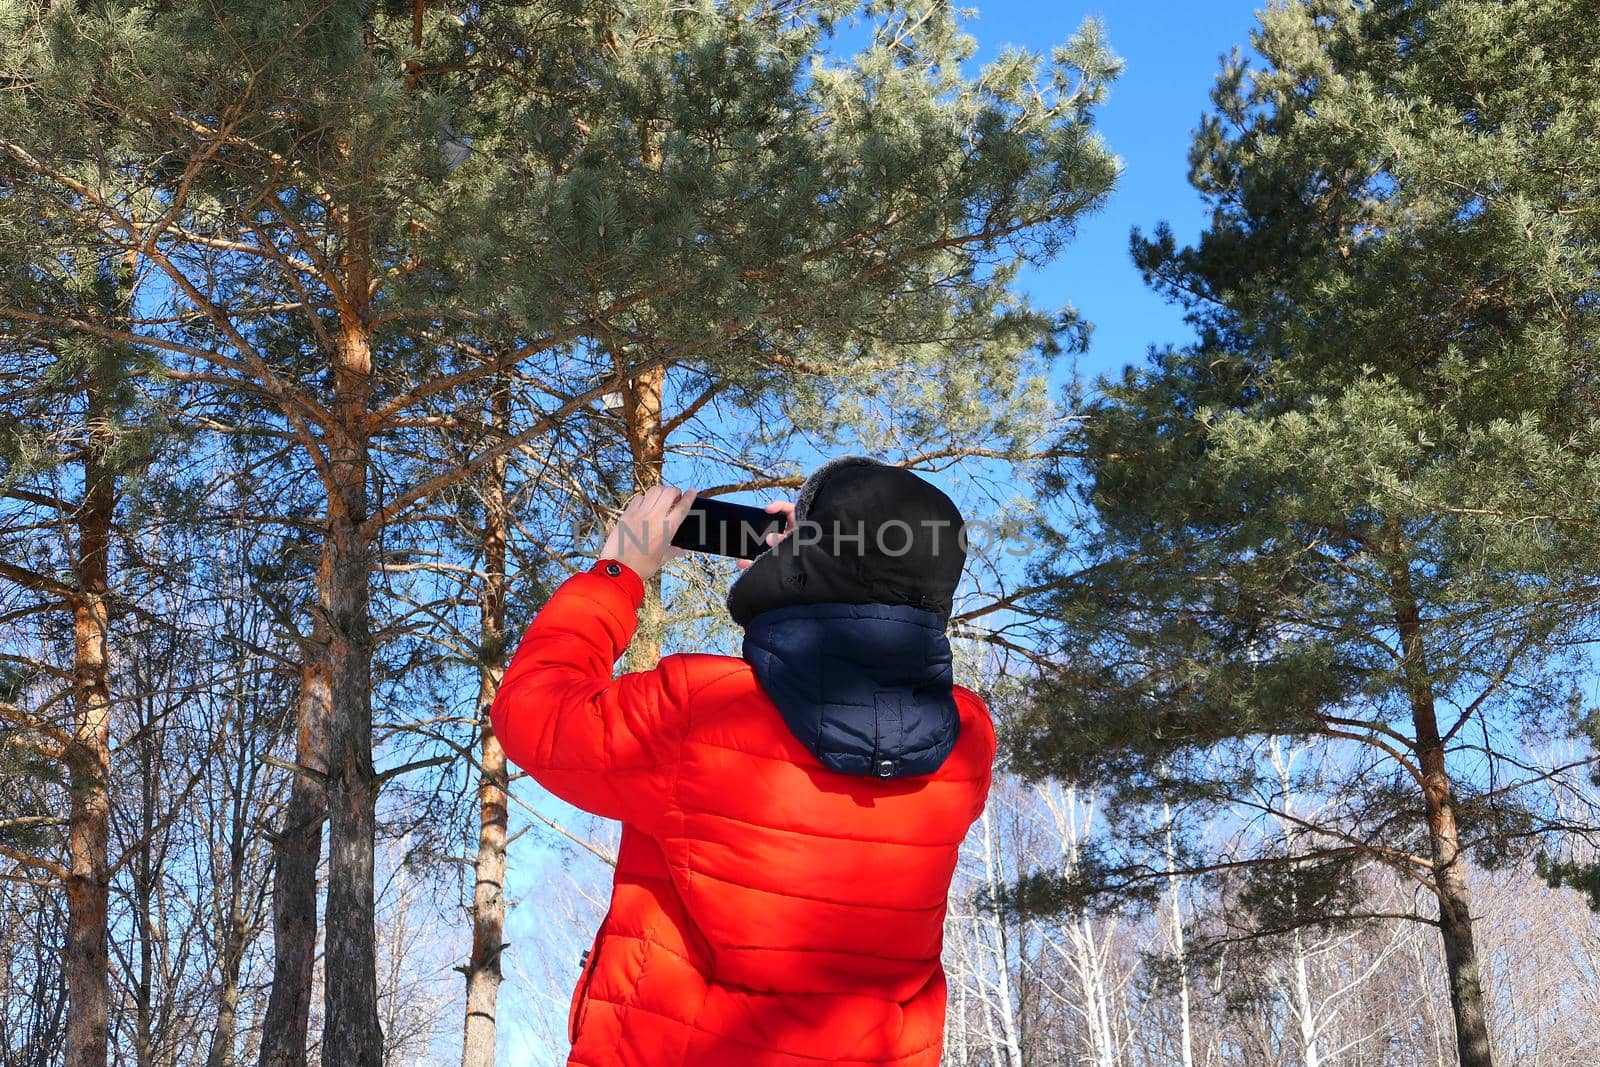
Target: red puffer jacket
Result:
[[767, 911]]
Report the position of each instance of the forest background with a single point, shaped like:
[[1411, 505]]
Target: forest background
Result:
[[1262, 343]]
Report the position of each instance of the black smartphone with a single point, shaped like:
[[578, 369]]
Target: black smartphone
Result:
[[725, 529]]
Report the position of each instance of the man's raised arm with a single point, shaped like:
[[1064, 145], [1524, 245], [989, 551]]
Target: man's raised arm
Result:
[[606, 745]]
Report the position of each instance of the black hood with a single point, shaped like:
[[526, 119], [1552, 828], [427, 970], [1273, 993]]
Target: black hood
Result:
[[845, 619], [865, 533]]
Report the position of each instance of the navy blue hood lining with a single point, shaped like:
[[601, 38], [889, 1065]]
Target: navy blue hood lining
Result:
[[867, 688]]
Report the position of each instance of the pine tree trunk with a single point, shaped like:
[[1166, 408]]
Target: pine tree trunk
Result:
[[88, 757], [1455, 915], [350, 1032], [647, 441], [296, 850], [351, 1035], [1449, 861], [642, 424], [483, 970]]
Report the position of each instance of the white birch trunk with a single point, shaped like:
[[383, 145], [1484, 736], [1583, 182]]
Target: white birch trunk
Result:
[[1008, 1038], [1175, 937], [1087, 957]]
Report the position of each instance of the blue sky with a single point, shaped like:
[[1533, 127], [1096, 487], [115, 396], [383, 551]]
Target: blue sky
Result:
[[1171, 54]]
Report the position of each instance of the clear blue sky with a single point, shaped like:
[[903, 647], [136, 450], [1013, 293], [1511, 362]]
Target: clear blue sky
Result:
[[1171, 54]]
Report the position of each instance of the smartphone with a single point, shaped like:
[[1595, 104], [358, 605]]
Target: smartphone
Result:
[[725, 529]]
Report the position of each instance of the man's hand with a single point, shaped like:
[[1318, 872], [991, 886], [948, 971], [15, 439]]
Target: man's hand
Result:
[[786, 508], [642, 538]]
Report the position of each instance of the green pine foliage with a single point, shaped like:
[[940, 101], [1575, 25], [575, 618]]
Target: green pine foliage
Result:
[[1367, 489]]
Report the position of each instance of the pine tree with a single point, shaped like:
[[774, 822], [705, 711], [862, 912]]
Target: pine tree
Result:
[[77, 422], [1357, 510]]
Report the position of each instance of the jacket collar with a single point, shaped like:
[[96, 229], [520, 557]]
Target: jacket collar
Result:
[[865, 687]]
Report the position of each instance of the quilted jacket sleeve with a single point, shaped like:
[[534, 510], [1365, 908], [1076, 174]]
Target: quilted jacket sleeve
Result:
[[607, 745]]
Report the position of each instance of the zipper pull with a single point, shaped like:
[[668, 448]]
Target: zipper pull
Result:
[[583, 960]]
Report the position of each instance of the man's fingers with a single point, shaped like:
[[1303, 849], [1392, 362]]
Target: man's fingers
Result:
[[784, 508], [681, 506], [650, 501], [637, 503], [661, 497]]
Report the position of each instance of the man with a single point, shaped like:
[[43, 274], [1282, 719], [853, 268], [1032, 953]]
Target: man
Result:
[[791, 819]]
